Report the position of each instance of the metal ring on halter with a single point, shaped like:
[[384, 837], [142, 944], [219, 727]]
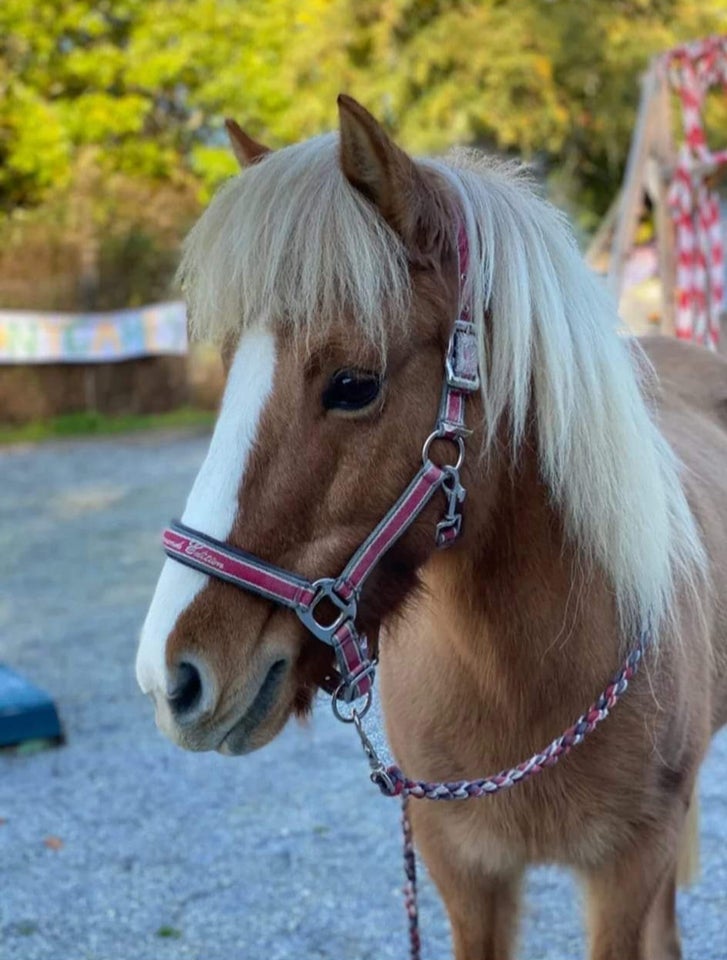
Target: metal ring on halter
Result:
[[438, 434], [356, 712]]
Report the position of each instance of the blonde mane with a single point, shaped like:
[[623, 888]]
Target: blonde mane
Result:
[[291, 240]]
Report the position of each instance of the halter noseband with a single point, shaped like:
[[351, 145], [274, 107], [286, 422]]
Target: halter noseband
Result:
[[355, 669]]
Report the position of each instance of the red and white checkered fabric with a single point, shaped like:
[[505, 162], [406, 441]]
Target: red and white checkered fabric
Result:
[[692, 70]]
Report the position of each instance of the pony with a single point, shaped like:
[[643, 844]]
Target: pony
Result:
[[596, 468]]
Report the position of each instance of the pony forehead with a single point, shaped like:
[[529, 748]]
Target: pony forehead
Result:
[[290, 241]]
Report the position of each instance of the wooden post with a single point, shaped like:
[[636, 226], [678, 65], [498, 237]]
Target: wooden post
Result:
[[633, 188], [87, 236], [601, 240], [659, 171]]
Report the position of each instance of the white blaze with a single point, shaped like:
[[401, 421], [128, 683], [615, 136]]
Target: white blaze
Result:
[[213, 501]]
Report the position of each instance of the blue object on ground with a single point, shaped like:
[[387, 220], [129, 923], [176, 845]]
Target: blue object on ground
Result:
[[26, 712]]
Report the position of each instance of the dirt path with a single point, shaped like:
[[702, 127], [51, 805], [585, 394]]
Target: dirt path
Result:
[[285, 855]]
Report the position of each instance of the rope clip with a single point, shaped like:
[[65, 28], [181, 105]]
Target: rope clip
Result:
[[379, 774]]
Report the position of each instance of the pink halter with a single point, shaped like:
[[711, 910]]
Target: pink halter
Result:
[[355, 670]]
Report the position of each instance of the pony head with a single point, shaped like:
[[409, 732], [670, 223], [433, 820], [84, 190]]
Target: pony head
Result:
[[329, 272]]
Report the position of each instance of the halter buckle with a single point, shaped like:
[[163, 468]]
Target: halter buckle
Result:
[[461, 364], [326, 590]]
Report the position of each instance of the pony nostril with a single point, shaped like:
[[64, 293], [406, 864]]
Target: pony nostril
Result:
[[187, 693]]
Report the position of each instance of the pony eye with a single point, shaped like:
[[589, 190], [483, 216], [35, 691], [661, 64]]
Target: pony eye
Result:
[[351, 390]]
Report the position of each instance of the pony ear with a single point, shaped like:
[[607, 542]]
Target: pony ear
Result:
[[385, 175], [246, 149]]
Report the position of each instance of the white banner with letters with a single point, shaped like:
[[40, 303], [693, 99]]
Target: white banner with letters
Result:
[[28, 337]]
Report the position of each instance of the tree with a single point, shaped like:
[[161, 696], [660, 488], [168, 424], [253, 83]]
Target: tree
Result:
[[555, 80], [146, 83]]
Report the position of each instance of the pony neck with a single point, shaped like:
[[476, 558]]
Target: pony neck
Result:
[[519, 602]]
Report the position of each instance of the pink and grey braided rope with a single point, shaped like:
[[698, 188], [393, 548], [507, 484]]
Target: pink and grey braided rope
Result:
[[395, 783], [411, 903]]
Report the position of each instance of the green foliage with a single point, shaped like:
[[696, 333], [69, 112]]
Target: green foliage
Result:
[[551, 80], [102, 242], [146, 83], [92, 423]]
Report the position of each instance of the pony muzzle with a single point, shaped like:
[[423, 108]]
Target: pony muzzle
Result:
[[196, 716]]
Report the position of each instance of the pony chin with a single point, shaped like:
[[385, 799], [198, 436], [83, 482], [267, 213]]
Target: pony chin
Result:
[[305, 672], [237, 745]]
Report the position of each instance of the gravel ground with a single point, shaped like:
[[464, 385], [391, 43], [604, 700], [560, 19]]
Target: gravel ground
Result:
[[119, 846]]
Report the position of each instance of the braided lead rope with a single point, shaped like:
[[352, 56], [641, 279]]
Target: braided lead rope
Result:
[[392, 781], [410, 885], [396, 784]]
